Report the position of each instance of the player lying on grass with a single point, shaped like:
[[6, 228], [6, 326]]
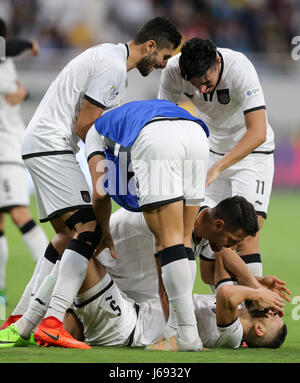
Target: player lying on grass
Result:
[[224, 225], [236, 313], [130, 233], [103, 316]]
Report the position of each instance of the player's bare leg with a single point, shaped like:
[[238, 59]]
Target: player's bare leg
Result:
[[167, 224]]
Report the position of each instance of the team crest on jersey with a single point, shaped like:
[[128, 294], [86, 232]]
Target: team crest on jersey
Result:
[[86, 196], [223, 96]]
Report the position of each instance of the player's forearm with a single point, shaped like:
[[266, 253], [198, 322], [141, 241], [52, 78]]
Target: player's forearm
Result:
[[82, 130], [236, 294], [237, 267], [255, 136], [247, 144], [102, 209]]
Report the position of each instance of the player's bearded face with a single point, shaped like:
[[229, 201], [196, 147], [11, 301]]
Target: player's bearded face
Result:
[[147, 64]]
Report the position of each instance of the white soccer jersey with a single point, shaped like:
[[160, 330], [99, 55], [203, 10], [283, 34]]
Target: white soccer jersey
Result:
[[11, 124], [134, 270], [98, 74], [238, 91], [210, 333]]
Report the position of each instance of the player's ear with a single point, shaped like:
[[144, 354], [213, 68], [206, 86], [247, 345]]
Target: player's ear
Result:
[[219, 224], [150, 46], [259, 329]]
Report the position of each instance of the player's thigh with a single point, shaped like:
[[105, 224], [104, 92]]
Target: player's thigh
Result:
[[60, 184], [253, 180], [195, 163], [166, 223]]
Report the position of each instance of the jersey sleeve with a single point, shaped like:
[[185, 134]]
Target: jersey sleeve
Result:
[[106, 85], [93, 143], [170, 86], [247, 86], [230, 335]]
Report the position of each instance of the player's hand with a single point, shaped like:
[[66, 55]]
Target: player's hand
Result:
[[106, 243], [267, 299], [35, 50], [212, 174], [16, 97], [276, 285]]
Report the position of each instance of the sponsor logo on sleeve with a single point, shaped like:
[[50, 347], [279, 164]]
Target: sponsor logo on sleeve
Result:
[[253, 91]]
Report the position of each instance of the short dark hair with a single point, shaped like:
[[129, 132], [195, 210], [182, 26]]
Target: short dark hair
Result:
[[161, 30], [197, 56], [254, 341], [237, 213], [3, 30]]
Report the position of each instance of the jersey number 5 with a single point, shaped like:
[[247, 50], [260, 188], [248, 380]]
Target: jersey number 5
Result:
[[113, 305]]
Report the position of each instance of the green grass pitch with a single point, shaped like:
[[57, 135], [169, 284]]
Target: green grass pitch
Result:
[[281, 256]]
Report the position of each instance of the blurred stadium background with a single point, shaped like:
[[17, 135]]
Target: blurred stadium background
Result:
[[262, 29]]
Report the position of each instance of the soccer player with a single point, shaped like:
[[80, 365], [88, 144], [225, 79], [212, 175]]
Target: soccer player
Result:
[[163, 141], [102, 315], [14, 193], [134, 271], [224, 87], [92, 82], [237, 313]]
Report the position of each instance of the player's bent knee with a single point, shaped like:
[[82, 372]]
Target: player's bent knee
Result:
[[91, 237], [90, 233]]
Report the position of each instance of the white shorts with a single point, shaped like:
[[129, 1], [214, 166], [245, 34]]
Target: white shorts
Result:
[[251, 178], [13, 186], [169, 160], [60, 185], [110, 318]]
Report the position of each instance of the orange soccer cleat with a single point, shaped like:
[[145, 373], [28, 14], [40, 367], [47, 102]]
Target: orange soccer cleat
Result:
[[10, 320], [50, 332]]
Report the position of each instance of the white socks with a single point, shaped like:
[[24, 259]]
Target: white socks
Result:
[[171, 326], [253, 261], [177, 278], [72, 272], [38, 305], [42, 269], [35, 239]]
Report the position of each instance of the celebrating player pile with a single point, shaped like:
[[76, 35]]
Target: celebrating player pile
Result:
[[160, 141]]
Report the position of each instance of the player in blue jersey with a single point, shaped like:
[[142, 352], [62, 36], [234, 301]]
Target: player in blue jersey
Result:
[[166, 148]]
